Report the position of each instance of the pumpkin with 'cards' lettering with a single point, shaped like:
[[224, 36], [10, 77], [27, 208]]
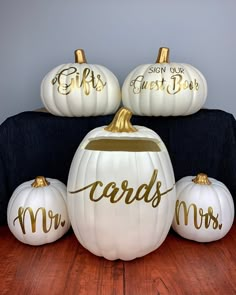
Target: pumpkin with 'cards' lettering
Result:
[[121, 190]]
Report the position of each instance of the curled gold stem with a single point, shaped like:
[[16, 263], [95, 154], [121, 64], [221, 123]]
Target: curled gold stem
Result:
[[121, 122]]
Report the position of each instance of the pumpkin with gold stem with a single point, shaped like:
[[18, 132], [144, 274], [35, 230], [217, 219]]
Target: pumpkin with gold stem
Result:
[[80, 89], [120, 190], [37, 212], [204, 210], [164, 88]]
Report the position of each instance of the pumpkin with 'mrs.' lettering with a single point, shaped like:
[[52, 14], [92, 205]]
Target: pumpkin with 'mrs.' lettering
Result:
[[37, 212], [164, 88], [80, 89], [204, 209], [120, 190]]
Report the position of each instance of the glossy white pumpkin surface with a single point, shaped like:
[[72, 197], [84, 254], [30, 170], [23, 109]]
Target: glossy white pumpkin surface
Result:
[[164, 89], [80, 89], [121, 203], [204, 212], [39, 215]]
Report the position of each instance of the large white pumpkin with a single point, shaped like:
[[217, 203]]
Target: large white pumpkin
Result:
[[37, 212], [204, 209], [80, 89], [164, 88], [121, 190]]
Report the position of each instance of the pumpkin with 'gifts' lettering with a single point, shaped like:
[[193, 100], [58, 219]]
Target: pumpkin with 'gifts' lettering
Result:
[[204, 209], [164, 88], [80, 89], [121, 190], [37, 212]]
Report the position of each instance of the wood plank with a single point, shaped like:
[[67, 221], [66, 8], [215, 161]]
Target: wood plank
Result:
[[62, 267], [179, 266]]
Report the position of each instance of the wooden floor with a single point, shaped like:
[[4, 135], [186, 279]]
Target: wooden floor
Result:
[[64, 267]]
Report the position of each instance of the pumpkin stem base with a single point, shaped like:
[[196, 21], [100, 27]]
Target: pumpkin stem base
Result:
[[201, 178], [40, 181]]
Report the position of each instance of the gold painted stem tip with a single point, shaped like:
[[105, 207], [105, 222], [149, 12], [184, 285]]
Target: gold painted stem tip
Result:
[[202, 178], [163, 55], [40, 181], [80, 57], [121, 122]]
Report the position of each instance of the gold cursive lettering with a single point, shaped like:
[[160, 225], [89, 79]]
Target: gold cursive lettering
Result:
[[176, 85], [115, 193], [139, 84], [199, 217], [70, 79], [53, 219]]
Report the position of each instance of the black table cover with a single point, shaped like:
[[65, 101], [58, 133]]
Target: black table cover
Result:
[[38, 143]]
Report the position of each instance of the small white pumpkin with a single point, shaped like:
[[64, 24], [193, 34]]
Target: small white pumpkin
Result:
[[121, 193], [80, 89], [164, 88], [37, 212], [204, 209]]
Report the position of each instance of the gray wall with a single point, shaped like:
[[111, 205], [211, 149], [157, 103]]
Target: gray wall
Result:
[[38, 35]]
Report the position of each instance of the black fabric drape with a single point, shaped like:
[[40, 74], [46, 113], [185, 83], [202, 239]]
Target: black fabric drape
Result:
[[37, 143]]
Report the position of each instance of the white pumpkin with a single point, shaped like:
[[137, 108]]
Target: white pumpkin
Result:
[[37, 212], [164, 88], [80, 89], [121, 192], [204, 209]]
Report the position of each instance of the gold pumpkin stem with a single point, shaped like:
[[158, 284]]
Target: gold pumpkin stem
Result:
[[80, 56], [163, 55], [121, 122], [40, 181], [201, 178]]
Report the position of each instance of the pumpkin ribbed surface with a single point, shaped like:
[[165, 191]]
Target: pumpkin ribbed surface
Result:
[[121, 202]]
